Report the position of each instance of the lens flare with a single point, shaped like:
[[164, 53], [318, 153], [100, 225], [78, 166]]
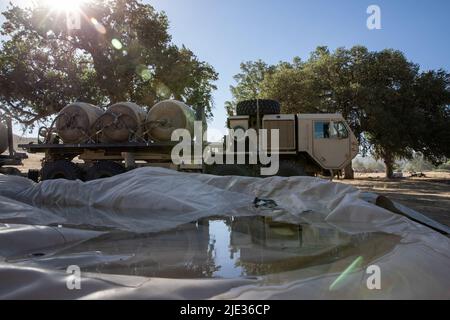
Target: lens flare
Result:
[[116, 44], [98, 26], [351, 268], [65, 5]]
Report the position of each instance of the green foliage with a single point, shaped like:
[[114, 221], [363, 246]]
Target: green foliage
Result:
[[370, 165], [248, 83], [358, 165], [393, 108], [375, 166], [418, 164], [122, 52], [445, 166]]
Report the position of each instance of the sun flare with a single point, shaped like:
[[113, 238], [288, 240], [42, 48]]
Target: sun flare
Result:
[[65, 5]]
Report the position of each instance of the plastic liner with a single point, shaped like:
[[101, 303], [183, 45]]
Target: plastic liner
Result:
[[306, 239]]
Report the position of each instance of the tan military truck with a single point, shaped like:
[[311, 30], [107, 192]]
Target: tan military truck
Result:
[[84, 142], [309, 144]]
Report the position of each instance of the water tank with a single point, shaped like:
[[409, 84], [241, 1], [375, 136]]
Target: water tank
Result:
[[121, 122], [3, 138], [75, 121], [168, 115]]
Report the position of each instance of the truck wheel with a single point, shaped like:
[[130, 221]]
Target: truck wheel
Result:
[[104, 169], [290, 169], [249, 107], [228, 170], [61, 169]]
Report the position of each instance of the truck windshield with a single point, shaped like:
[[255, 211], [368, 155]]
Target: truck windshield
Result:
[[340, 130]]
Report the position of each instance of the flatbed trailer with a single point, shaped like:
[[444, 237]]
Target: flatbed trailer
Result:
[[10, 160], [55, 150], [307, 144], [89, 161]]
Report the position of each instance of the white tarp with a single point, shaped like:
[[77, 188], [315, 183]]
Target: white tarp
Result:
[[39, 221]]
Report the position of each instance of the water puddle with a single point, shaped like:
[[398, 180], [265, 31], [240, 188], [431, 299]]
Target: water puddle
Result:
[[220, 247]]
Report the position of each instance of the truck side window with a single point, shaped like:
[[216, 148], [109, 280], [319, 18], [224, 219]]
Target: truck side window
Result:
[[321, 130], [342, 132]]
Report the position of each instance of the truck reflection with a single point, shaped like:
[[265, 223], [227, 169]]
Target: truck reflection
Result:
[[227, 247]]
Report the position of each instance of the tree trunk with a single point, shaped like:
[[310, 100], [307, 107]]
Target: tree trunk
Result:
[[389, 164], [349, 174]]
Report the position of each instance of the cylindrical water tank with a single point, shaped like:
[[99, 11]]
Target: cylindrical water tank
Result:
[[121, 122], [167, 116], [3, 138], [75, 121]]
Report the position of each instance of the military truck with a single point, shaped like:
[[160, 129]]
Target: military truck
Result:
[[309, 144], [11, 158], [84, 142]]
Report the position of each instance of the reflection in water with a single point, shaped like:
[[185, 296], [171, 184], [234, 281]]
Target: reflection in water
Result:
[[227, 247], [224, 254]]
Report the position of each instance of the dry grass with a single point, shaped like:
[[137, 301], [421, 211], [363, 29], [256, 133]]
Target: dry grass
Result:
[[429, 195]]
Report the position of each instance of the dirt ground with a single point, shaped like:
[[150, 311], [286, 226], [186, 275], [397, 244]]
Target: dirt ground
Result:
[[429, 195]]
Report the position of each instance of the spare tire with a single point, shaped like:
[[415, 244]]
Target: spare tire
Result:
[[249, 107]]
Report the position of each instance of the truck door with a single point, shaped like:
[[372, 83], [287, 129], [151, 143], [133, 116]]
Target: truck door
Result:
[[331, 144]]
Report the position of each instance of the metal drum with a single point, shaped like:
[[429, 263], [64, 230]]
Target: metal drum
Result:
[[122, 122], [167, 116], [74, 122]]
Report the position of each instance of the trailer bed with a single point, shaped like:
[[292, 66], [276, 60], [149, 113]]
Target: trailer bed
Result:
[[113, 147]]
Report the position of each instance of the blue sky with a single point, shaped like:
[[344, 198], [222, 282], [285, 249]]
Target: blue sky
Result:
[[227, 32]]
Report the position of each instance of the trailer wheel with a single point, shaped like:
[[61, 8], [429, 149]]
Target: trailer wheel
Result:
[[249, 107], [104, 169], [229, 170], [61, 169], [33, 175], [10, 171], [290, 169]]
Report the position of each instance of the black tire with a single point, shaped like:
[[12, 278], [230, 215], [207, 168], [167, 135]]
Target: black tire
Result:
[[291, 169], [104, 169], [61, 169], [33, 175], [249, 107], [228, 170], [10, 171]]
